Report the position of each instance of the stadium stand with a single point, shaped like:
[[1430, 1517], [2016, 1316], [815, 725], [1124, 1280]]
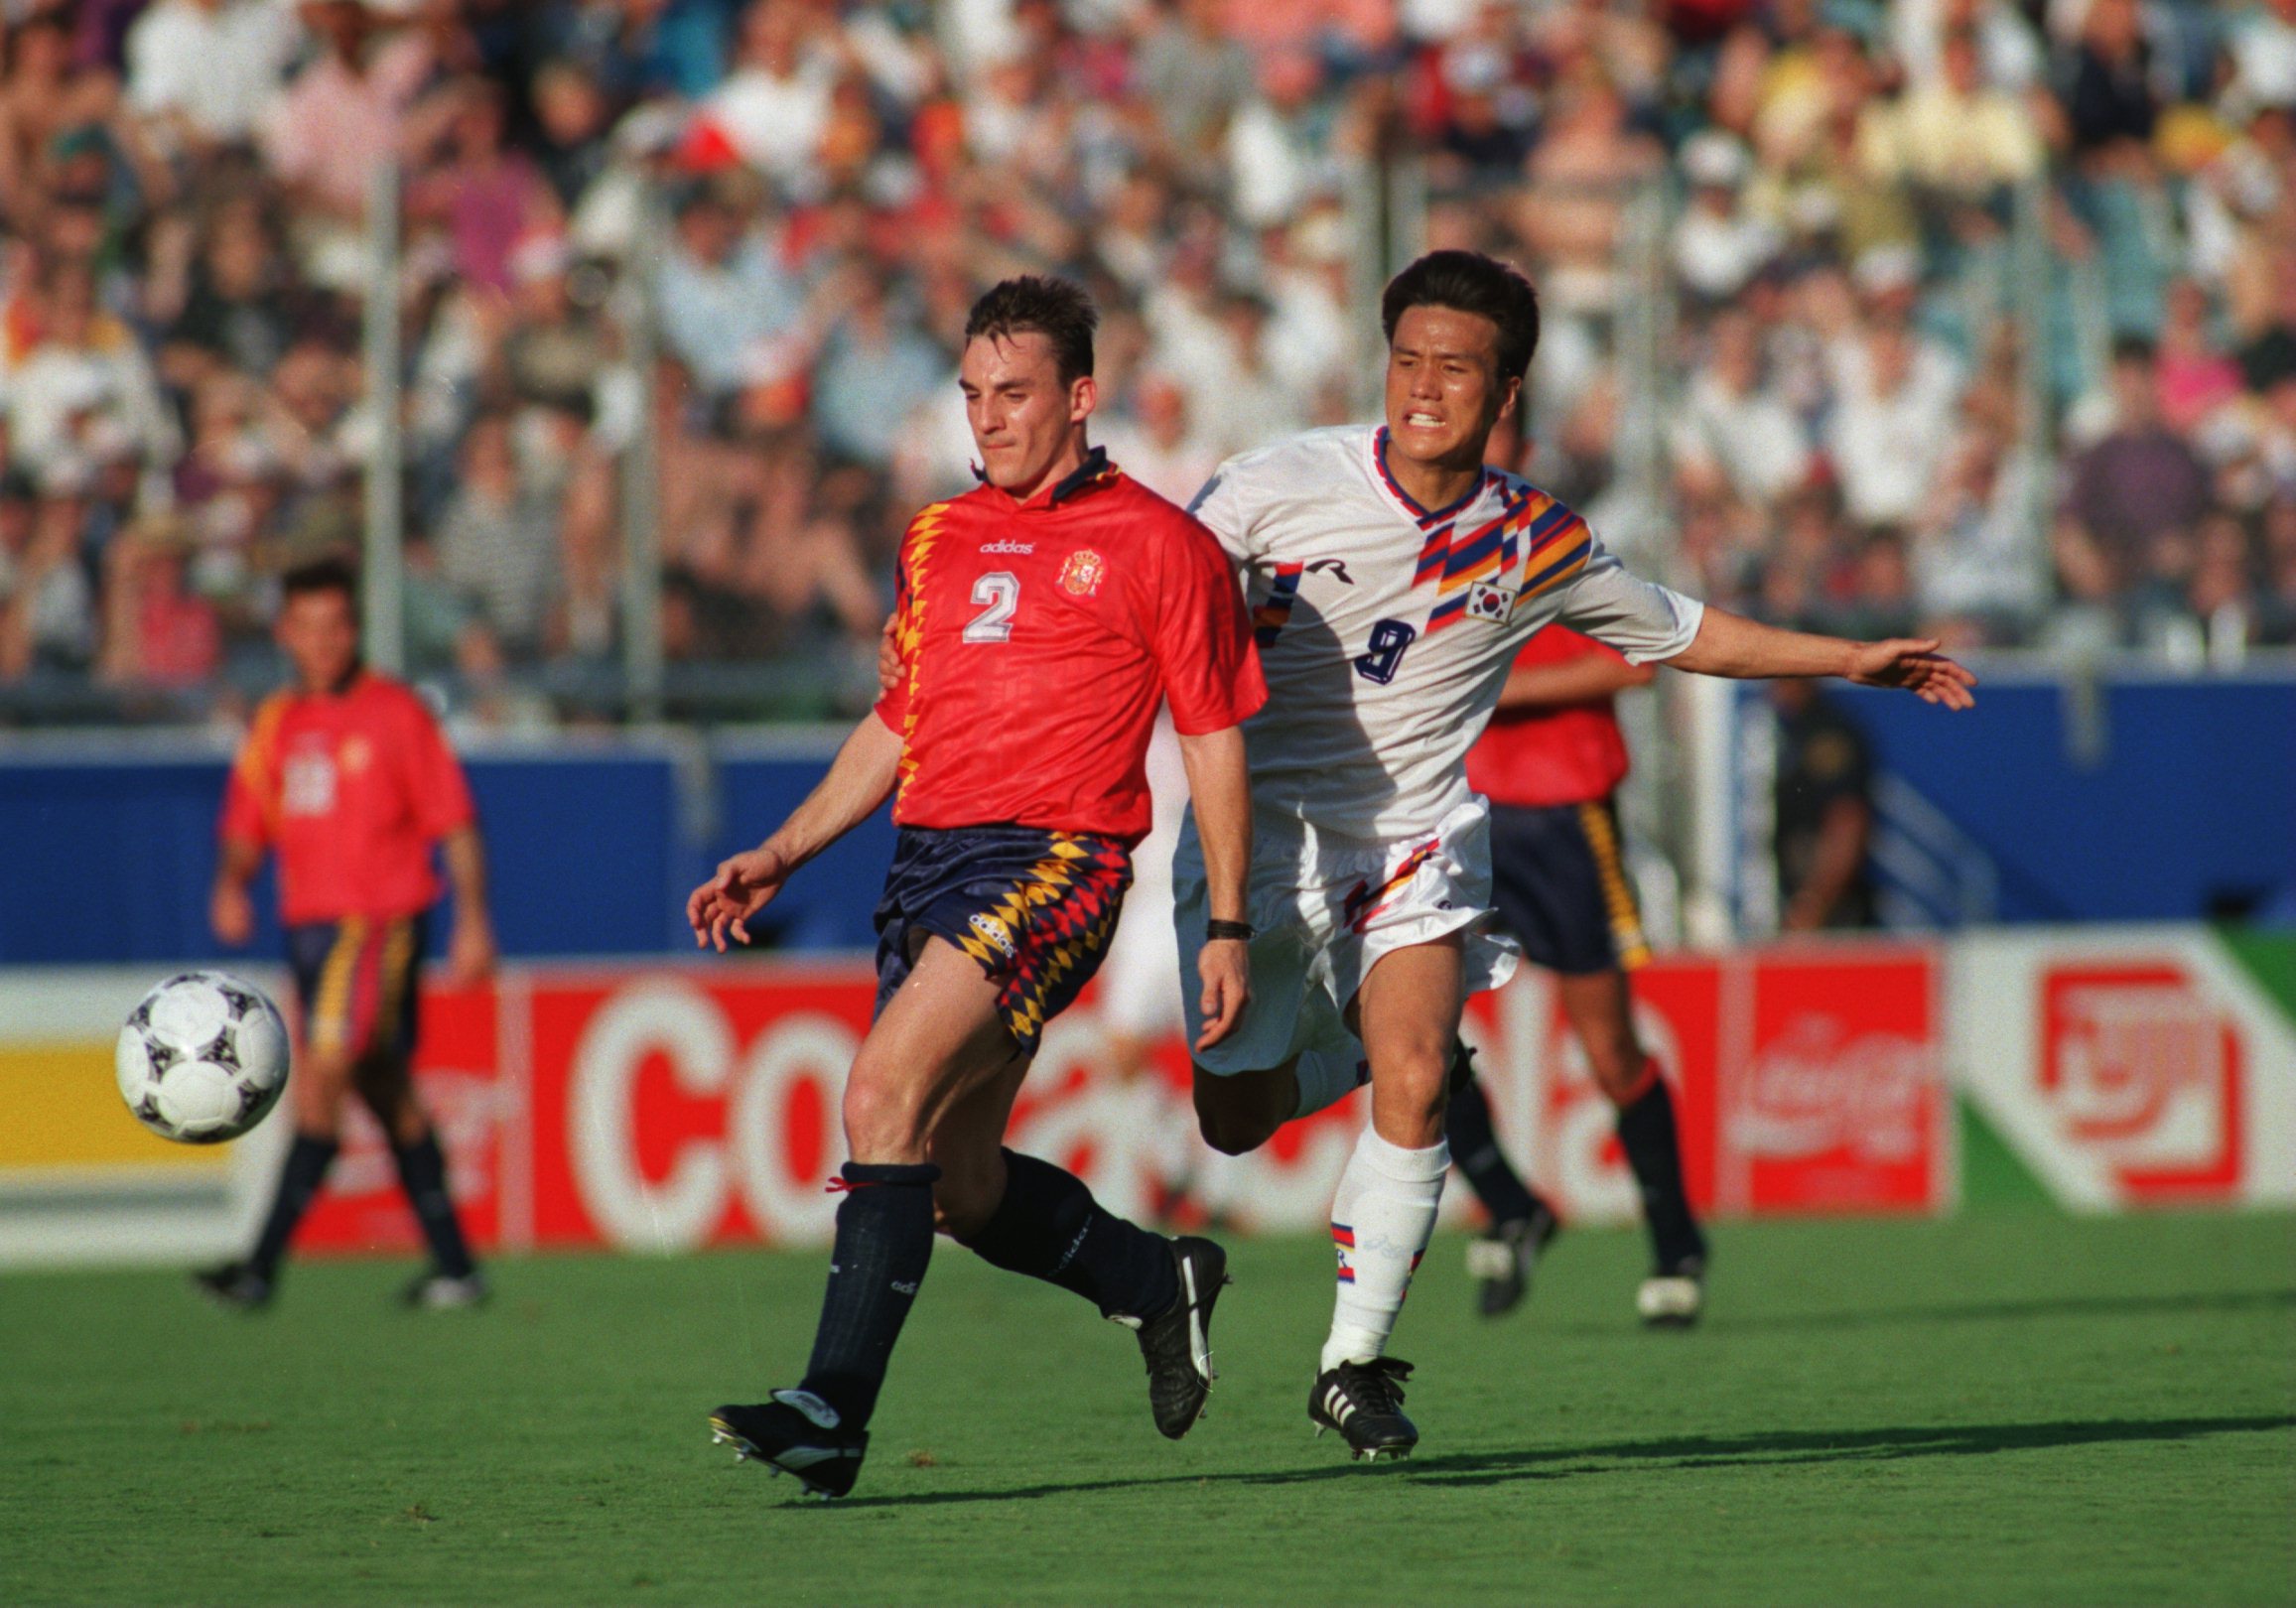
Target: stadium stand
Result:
[[1968, 316]]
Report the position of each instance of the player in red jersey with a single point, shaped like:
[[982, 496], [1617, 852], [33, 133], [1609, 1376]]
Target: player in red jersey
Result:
[[349, 781], [1041, 618], [1551, 762]]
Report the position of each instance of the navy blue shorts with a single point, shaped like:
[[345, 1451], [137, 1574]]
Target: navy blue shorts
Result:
[[356, 979], [1560, 885], [1034, 908]]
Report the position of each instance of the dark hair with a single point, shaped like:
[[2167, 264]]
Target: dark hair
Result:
[[2133, 348], [322, 574], [1059, 311], [1469, 282]]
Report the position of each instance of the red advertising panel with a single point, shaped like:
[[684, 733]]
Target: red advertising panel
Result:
[[674, 1107], [2143, 1069], [1840, 1103], [1572, 1141], [475, 1110], [664, 1108]]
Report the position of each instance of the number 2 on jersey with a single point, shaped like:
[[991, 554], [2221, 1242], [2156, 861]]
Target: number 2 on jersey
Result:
[[1000, 590], [1389, 638]]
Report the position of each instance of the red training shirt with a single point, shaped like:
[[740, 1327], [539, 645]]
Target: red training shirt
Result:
[[352, 789], [1570, 753], [1037, 640]]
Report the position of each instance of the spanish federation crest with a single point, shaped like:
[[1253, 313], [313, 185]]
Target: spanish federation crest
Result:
[[1081, 575]]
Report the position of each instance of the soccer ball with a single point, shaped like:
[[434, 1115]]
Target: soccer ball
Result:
[[202, 1058]]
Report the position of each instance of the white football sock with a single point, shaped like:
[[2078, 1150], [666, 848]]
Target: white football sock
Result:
[[1380, 1220], [1328, 1076]]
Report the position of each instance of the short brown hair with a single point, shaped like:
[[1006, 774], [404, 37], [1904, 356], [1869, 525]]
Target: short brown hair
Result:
[[1055, 308]]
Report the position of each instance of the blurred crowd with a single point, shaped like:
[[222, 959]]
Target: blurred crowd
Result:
[[1977, 317]]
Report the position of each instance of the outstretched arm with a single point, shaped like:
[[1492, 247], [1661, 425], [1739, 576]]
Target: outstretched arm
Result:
[[1572, 681], [1220, 788], [860, 779], [1730, 644]]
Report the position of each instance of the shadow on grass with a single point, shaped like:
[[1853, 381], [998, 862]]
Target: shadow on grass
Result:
[[2245, 1300], [1769, 1449], [2040, 1306]]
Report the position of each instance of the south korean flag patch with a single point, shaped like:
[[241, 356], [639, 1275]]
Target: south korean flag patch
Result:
[[1489, 604]]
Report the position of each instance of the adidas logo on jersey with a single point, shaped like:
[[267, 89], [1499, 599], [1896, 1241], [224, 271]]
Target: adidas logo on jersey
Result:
[[1007, 547]]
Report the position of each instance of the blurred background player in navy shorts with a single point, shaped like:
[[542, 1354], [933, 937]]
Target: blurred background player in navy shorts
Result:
[[1550, 763], [348, 778]]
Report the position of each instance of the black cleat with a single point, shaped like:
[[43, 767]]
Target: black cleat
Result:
[[1501, 1261], [796, 1432], [1178, 1345], [1673, 1297], [435, 1291], [234, 1285], [1364, 1403]]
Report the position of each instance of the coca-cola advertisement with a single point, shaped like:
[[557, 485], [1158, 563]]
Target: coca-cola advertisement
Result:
[[667, 1108]]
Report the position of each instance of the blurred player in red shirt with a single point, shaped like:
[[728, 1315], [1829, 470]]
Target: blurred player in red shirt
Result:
[[1040, 620], [1551, 762], [349, 780]]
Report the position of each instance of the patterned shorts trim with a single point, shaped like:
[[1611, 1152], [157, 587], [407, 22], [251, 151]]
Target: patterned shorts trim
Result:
[[356, 979], [1035, 909]]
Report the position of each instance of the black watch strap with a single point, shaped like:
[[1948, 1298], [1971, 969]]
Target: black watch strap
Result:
[[1215, 931]]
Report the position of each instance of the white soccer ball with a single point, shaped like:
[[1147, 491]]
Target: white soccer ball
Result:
[[202, 1058]]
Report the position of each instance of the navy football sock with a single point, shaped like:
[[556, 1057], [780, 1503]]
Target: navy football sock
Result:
[[1645, 1128], [1475, 1152], [885, 1240], [307, 1159], [423, 1175], [1050, 1227]]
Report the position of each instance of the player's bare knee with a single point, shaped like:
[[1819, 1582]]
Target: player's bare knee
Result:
[[1411, 1090], [885, 1117], [963, 1202], [972, 1181], [1616, 1064], [317, 1090]]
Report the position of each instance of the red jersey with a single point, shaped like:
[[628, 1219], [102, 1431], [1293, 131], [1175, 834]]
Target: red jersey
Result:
[[1038, 640], [1571, 754], [353, 789]]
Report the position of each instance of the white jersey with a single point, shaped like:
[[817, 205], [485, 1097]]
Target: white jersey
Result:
[[1386, 631]]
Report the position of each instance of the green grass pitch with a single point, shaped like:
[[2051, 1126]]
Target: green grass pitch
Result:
[[2003, 1408]]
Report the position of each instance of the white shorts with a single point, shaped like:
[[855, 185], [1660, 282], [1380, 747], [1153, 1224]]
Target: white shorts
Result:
[[1139, 987], [1324, 909]]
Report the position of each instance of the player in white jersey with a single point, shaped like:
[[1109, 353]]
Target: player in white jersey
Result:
[[1393, 577]]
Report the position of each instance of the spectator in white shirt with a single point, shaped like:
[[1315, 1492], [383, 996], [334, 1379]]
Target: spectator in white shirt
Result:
[[773, 108], [86, 390], [1891, 423], [1718, 246], [1735, 426], [206, 71]]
